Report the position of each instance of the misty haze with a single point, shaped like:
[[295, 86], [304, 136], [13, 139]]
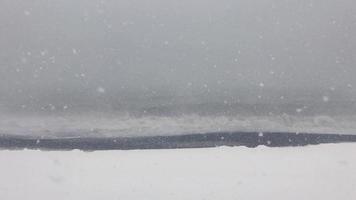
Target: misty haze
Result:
[[178, 99], [171, 67]]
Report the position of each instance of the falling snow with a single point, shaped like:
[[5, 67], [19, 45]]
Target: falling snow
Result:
[[325, 98], [101, 90], [27, 13]]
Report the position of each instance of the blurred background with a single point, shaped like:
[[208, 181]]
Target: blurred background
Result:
[[172, 58]]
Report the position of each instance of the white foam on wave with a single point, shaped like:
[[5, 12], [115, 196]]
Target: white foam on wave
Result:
[[105, 125]]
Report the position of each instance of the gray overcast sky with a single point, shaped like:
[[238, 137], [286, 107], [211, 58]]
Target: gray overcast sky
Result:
[[52, 46]]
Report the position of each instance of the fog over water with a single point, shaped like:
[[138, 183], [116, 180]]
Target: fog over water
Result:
[[168, 58]]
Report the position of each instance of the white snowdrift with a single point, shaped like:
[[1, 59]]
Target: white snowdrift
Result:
[[313, 172]]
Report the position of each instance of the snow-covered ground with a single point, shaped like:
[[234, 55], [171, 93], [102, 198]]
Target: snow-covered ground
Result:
[[314, 172]]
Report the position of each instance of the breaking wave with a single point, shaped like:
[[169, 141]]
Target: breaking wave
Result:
[[96, 124]]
